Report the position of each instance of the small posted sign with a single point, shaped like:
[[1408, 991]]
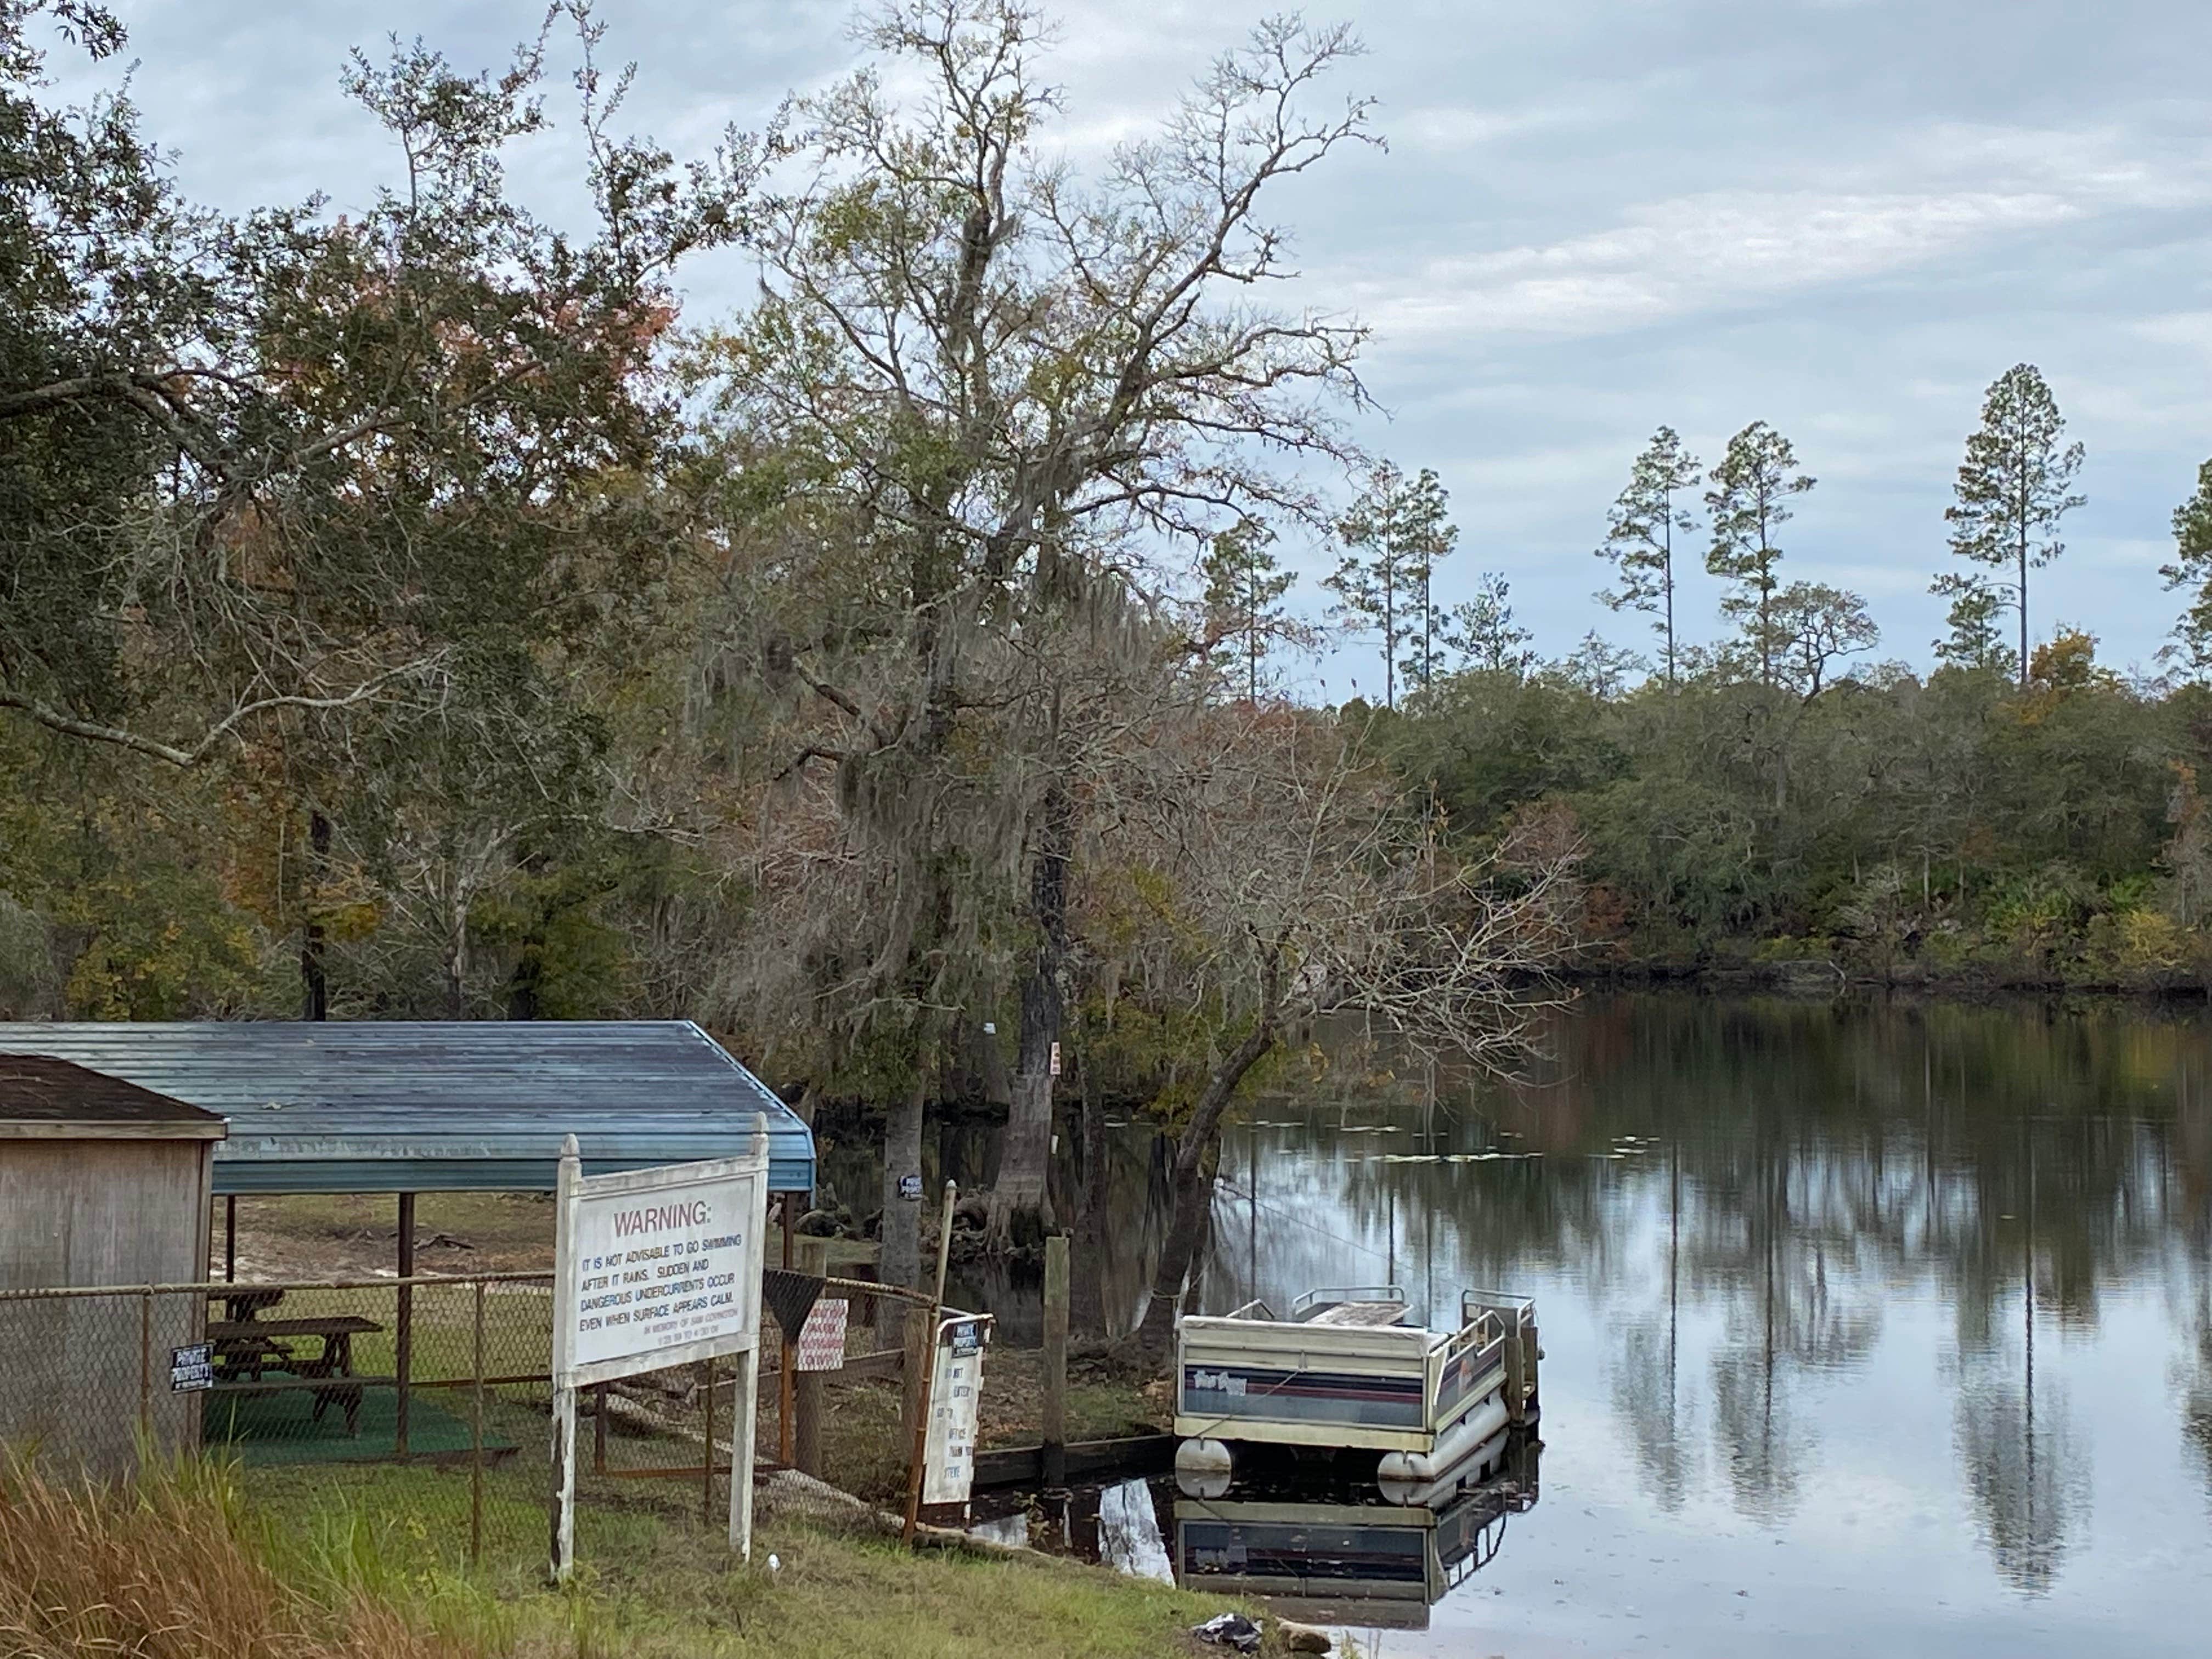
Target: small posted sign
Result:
[[191, 1370], [910, 1189], [822, 1339]]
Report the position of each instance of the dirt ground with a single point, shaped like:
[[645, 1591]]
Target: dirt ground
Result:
[[350, 1236]]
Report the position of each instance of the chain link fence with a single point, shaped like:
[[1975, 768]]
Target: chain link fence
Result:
[[424, 1398], [421, 1409]]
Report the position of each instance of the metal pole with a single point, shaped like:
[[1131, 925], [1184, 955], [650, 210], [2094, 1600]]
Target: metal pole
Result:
[[707, 1433], [476, 1440], [146, 1371], [920, 1453], [402, 1339]]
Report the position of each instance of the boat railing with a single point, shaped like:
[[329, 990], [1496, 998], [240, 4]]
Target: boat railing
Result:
[[1515, 1313], [1330, 1296]]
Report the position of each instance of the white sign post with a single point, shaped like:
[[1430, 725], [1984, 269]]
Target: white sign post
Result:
[[949, 1463], [654, 1268]]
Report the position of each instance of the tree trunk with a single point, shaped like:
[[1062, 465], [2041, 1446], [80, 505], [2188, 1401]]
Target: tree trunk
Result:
[[901, 1261], [1192, 1183], [314, 984], [1087, 1288], [1020, 1201], [457, 957]]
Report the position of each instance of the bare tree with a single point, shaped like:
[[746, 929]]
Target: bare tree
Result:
[[1007, 380], [1300, 882]]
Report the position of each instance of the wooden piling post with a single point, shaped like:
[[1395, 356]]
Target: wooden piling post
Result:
[[914, 1365], [807, 1407], [787, 1351], [1516, 1381], [927, 1367], [1055, 1361]]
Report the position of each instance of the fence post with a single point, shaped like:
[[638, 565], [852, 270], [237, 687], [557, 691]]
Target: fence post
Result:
[[806, 1394], [476, 1440], [707, 1426], [146, 1371], [403, 1336], [1055, 1361]]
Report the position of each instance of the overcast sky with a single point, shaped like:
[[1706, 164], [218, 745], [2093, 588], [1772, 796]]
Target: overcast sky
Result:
[[1845, 217]]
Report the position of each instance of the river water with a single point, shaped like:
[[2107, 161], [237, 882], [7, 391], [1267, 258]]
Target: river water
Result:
[[1867, 1329]]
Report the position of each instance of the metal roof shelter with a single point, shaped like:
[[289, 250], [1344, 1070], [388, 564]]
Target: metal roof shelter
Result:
[[372, 1106]]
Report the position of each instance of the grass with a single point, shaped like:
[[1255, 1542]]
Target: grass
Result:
[[204, 1559], [652, 1582]]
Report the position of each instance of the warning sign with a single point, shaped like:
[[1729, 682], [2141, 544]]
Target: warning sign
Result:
[[822, 1338]]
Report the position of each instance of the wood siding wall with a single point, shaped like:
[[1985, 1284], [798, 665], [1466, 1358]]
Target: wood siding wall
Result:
[[78, 1377]]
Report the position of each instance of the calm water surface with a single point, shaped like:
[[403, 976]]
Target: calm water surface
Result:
[[1872, 1329]]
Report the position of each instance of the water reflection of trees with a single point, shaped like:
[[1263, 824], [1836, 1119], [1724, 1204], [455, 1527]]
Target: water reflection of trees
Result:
[[1806, 1161]]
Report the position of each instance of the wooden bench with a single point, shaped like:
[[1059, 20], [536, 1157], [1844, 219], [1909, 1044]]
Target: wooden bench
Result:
[[247, 1349]]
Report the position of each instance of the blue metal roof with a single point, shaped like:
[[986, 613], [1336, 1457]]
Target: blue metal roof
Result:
[[373, 1106]]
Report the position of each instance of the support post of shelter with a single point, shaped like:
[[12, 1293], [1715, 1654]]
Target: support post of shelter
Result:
[[230, 1238], [806, 1396], [1055, 1453], [403, 1327]]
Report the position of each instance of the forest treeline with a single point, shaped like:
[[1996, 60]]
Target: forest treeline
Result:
[[413, 612]]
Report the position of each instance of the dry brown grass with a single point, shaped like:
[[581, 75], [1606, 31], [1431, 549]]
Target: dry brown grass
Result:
[[169, 1570]]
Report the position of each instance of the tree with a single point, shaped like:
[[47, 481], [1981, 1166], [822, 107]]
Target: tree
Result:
[[1974, 641], [1600, 667], [2192, 568], [990, 387], [1245, 616], [2013, 487], [1403, 529], [1639, 538], [1306, 886], [1818, 626], [259, 477], [1483, 632], [1749, 502]]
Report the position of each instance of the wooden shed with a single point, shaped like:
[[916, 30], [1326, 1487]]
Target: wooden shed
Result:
[[102, 1182]]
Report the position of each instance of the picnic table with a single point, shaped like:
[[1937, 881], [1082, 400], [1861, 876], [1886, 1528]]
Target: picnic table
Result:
[[247, 1347]]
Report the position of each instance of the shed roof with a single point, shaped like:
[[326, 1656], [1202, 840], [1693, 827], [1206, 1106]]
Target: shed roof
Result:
[[46, 1099], [373, 1106]]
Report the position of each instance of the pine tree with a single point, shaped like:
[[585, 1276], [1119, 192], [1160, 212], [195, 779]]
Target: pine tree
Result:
[[1640, 536], [1483, 632], [1975, 641], [1245, 613], [2192, 568], [2013, 486], [1402, 528], [1749, 502]]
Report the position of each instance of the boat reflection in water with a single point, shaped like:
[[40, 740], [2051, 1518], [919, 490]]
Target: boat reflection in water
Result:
[[1330, 1551]]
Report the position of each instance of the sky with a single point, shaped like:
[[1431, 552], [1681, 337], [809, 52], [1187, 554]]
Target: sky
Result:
[[1844, 217]]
